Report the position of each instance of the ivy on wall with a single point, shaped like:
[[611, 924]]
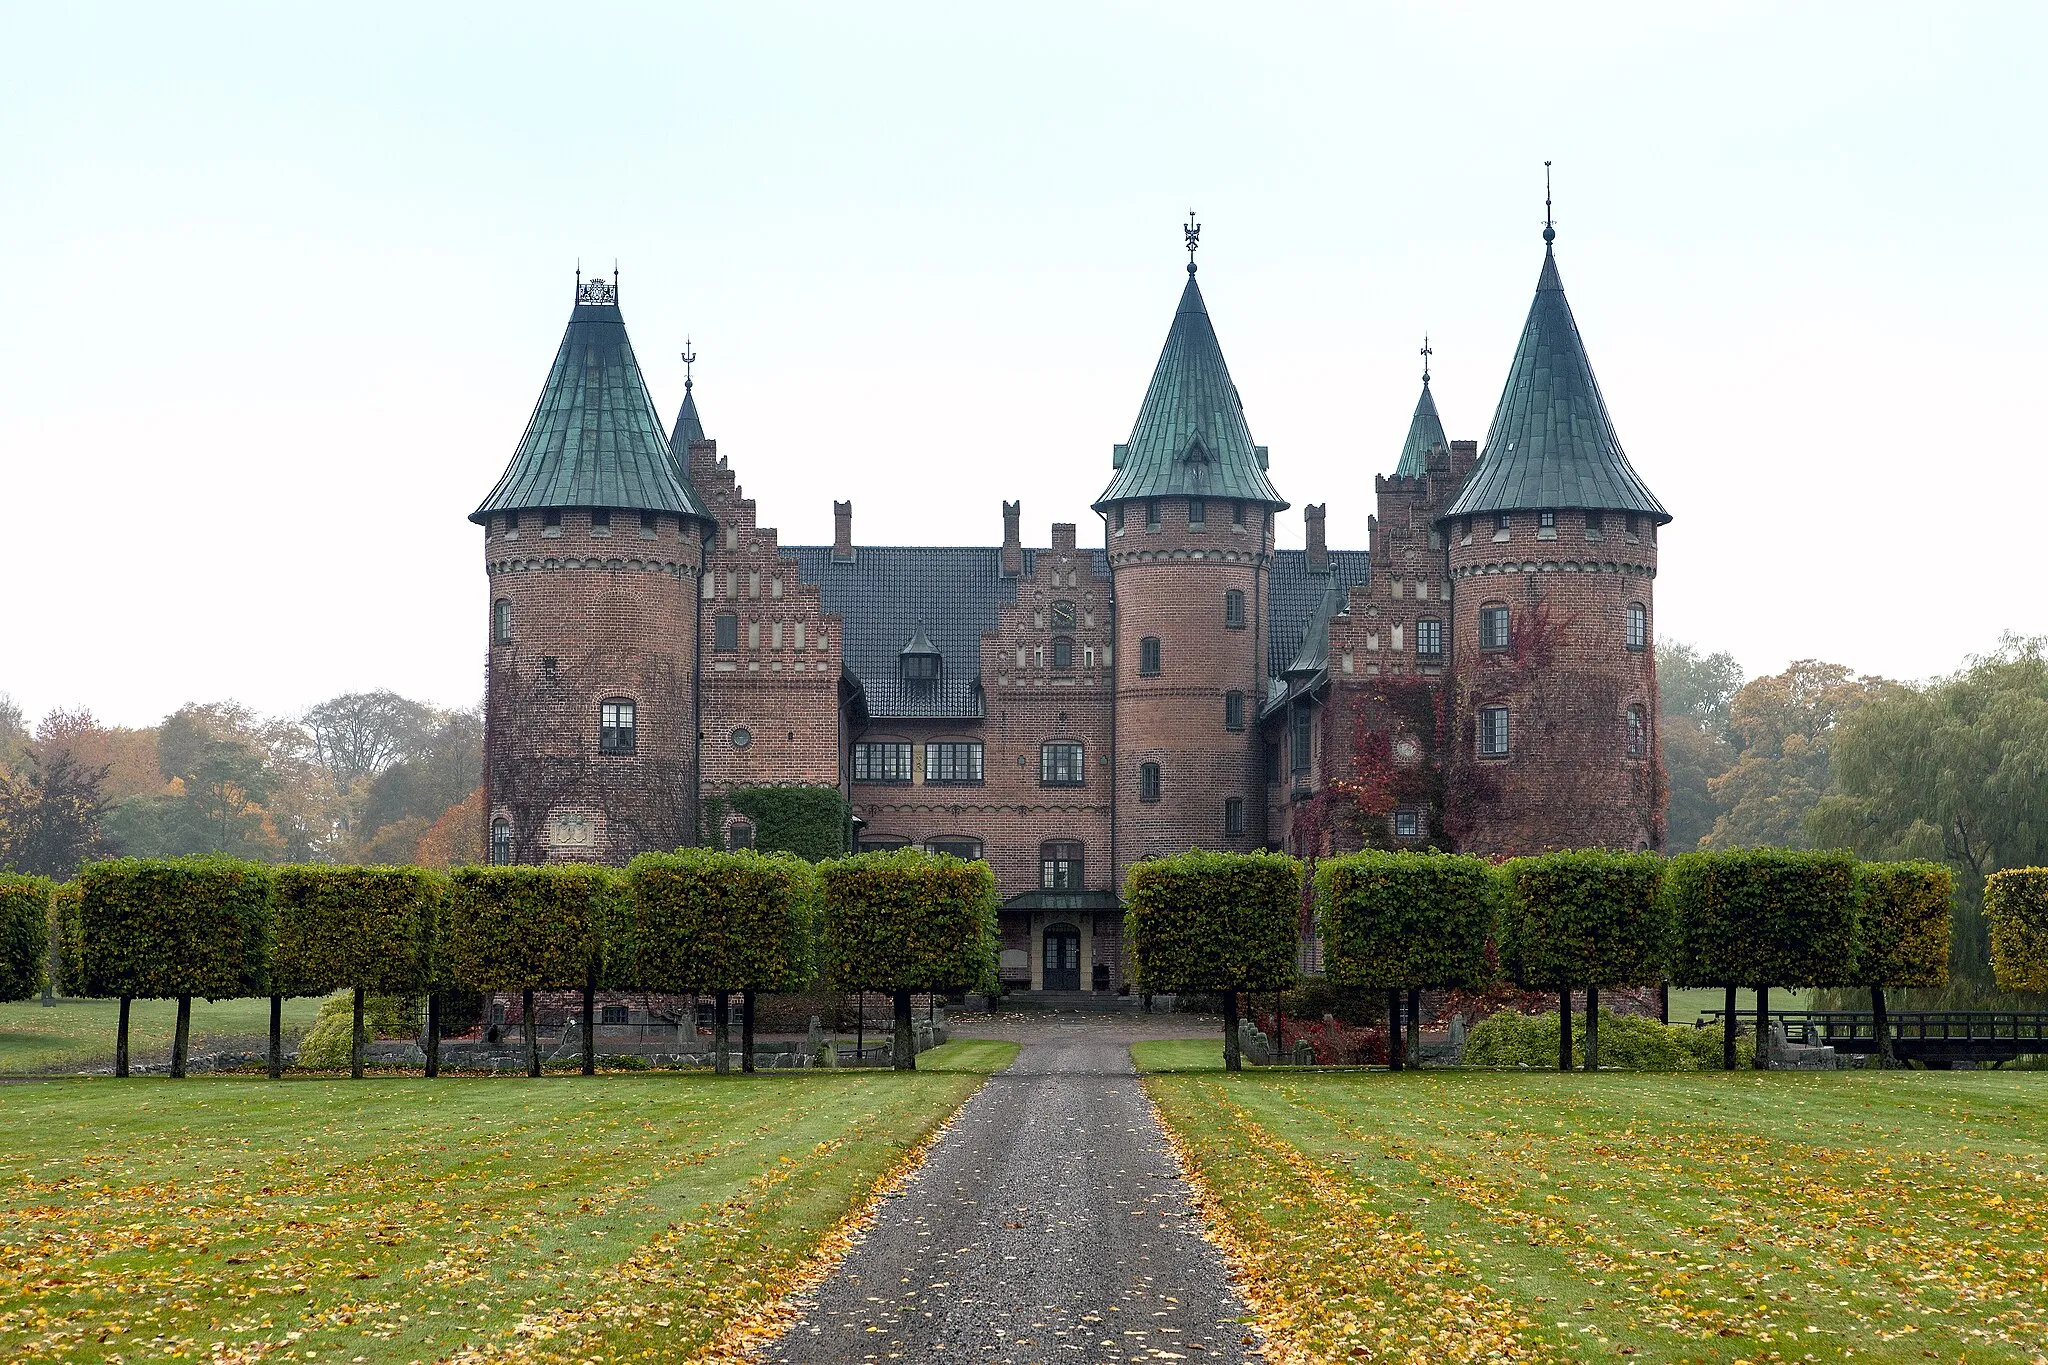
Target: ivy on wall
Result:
[[808, 821]]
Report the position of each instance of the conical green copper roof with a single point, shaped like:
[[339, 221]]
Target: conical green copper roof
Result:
[[689, 427], [1552, 444], [1425, 433], [1190, 439], [595, 439]]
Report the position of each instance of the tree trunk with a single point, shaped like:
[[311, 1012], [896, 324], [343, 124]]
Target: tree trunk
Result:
[[433, 1048], [590, 1023], [1881, 1027], [1394, 1049], [1232, 1060], [1664, 1003], [121, 1041], [529, 1031], [1728, 1029], [276, 1036], [49, 995], [721, 1031], [358, 1042], [181, 1041], [1763, 1028], [747, 1031], [1564, 1029], [1279, 1026], [860, 1028], [1414, 1038], [906, 1039], [1592, 1028]]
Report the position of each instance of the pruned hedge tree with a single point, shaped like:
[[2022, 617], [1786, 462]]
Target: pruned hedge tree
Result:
[[363, 929], [1762, 917], [24, 934], [2016, 906], [524, 928], [1587, 918], [701, 920], [157, 928], [1902, 934], [66, 971], [904, 921], [1402, 920], [1224, 922]]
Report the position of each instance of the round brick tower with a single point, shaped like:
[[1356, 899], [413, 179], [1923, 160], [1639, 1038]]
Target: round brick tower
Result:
[[1189, 524], [593, 544], [1553, 553]]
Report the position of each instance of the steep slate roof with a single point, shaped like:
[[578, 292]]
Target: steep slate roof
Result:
[[1298, 597], [1425, 433], [1552, 444], [1314, 653], [1191, 407], [594, 439]]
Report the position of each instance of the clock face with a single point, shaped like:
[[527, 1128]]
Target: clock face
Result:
[[1063, 616], [1407, 750]]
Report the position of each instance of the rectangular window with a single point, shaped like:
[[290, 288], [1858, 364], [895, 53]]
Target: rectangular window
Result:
[[1237, 516], [1638, 627], [1059, 866], [967, 849], [650, 525], [1233, 608], [1148, 781], [616, 731], [1594, 524], [601, 522], [1629, 524], [955, 761], [1407, 824], [1198, 512], [1300, 735], [884, 761], [1061, 764], [501, 621], [1148, 657], [880, 844], [1429, 638], [1151, 516], [611, 1014], [1119, 518], [1546, 521], [725, 633], [1493, 732], [1233, 815], [511, 526], [1233, 710], [1493, 628], [551, 523]]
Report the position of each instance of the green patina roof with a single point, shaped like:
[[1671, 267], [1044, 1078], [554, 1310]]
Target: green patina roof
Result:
[[1425, 433], [595, 439], [689, 427], [1190, 439], [1552, 443]]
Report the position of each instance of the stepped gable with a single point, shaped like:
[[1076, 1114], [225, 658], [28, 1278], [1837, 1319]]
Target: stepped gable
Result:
[[1190, 439], [595, 439], [1552, 444]]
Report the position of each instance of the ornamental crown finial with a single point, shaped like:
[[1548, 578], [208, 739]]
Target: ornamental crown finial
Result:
[[1192, 230]]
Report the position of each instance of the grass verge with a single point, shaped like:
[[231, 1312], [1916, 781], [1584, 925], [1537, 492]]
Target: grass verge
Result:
[[560, 1220], [1696, 1218], [74, 1035]]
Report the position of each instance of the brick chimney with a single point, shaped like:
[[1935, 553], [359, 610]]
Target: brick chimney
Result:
[[842, 533], [1013, 539], [1063, 535], [1318, 550]]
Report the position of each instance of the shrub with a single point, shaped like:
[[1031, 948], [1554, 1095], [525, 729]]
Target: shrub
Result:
[[1902, 936], [24, 934], [698, 919], [1204, 921], [807, 821], [1405, 919], [149, 928], [905, 920], [1763, 916], [367, 928], [326, 1046], [2016, 904], [1585, 918], [1629, 1041], [526, 928]]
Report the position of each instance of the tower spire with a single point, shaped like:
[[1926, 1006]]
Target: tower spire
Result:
[[1549, 225], [1426, 354], [689, 359], [1193, 232]]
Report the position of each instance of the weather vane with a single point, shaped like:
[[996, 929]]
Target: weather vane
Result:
[[1549, 227], [1193, 232], [689, 359], [1426, 354]]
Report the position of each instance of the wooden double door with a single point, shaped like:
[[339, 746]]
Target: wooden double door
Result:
[[1062, 958]]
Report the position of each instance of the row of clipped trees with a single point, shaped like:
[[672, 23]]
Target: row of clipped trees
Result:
[[693, 921], [1570, 921]]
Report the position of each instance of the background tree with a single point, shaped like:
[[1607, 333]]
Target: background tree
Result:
[[457, 837], [1786, 725], [1956, 771], [13, 734], [437, 772], [52, 816], [360, 734], [1584, 918], [1694, 691], [1225, 922]]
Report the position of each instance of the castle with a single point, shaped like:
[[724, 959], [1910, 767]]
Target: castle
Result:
[[1480, 677]]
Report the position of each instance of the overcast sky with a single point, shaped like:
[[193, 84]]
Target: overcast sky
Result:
[[283, 287]]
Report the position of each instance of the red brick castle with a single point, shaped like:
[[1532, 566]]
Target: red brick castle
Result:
[[1481, 677]]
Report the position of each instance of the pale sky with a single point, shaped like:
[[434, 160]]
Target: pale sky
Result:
[[284, 285]]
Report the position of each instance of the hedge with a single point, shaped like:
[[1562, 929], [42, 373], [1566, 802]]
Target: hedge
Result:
[[698, 919], [1630, 1042], [364, 928], [1585, 918], [66, 973], [1763, 916], [526, 928], [1902, 936], [807, 821], [2016, 904], [1406, 919], [24, 934], [150, 928]]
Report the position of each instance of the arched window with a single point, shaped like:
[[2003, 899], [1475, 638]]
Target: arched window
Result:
[[1493, 626], [1059, 866], [1060, 764], [501, 842], [501, 622], [1233, 608], [618, 730], [1638, 627], [1148, 781], [1148, 657], [1638, 731], [1062, 652]]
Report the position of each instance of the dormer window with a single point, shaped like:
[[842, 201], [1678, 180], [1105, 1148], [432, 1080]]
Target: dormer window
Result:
[[919, 660]]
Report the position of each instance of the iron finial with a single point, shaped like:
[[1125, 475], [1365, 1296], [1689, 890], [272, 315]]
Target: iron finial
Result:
[[689, 359], [1193, 232], [1426, 354], [1549, 225]]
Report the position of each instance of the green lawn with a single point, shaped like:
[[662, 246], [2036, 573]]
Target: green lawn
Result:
[[407, 1220], [1892, 1216], [1179, 1054], [75, 1035]]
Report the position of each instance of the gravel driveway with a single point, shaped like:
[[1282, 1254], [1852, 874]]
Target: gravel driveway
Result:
[[1049, 1225]]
